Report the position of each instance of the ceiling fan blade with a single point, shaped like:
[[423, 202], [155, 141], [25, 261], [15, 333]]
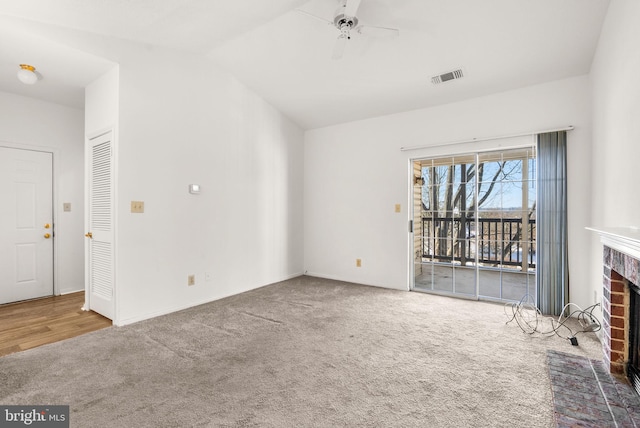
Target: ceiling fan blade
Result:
[[368, 30], [351, 7], [338, 48], [302, 12]]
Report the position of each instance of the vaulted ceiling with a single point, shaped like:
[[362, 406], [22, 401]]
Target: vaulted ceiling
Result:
[[282, 49]]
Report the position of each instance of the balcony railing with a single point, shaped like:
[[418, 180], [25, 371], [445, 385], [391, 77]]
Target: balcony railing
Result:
[[500, 241]]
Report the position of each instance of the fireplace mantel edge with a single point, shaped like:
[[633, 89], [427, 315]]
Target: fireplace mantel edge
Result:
[[624, 239]]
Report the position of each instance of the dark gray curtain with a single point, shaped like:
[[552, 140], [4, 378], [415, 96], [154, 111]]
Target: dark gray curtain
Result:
[[552, 255]]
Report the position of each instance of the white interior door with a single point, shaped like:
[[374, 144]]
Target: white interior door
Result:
[[101, 232], [26, 224]]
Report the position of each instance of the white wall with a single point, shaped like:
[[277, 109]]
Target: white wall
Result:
[[30, 123], [355, 173], [616, 128], [616, 109], [101, 104], [183, 121]]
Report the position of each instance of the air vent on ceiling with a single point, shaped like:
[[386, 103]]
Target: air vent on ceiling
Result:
[[445, 77]]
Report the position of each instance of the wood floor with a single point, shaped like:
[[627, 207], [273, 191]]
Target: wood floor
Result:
[[25, 325]]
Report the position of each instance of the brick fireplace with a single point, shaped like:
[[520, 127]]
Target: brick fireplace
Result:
[[621, 275]]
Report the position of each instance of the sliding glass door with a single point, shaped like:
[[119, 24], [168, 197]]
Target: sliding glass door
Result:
[[444, 250], [474, 224]]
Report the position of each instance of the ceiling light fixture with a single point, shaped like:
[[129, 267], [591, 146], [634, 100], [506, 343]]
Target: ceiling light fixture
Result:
[[27, 74]]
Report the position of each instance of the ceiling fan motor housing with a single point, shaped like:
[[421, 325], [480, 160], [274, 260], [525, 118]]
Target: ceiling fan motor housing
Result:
[[341, 20]]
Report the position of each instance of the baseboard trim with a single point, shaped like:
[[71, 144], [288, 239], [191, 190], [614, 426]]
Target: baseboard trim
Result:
[[62, 293], [352, 280], [122, 323]]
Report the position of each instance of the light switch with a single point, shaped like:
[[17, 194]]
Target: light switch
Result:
[[137, 207], [66, 207]]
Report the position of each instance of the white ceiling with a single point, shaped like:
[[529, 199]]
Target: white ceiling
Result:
[[285, 56], [64, 71]]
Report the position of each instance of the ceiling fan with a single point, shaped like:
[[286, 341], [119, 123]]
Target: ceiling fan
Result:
[[346, 21]]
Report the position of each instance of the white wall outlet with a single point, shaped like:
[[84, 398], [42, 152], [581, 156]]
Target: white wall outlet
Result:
[[66, 207], [191, 280]]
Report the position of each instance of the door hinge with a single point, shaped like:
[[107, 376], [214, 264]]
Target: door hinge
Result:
[[410, 226]]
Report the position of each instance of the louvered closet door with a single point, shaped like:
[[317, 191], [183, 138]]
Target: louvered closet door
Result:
[[101, 253]]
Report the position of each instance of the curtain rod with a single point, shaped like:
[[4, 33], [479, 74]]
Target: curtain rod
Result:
[[473, 140]]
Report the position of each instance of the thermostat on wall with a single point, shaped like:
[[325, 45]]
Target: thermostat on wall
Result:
[[194, 189]]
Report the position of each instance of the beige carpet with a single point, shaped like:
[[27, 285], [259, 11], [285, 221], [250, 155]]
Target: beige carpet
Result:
[[301, 353]]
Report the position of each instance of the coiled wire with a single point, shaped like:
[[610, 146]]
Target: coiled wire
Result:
[[531, 321]]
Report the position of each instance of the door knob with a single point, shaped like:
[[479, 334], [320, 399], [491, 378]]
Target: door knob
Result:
[[47, 236], [89, 235], [47, 226]]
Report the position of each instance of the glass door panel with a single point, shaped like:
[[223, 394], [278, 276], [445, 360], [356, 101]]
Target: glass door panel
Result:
[[465, 281], [474, 224], [443, 277], [445, 262]]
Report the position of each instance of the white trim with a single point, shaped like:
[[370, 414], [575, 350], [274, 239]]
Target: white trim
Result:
[[457, 296], [99, 133], [32, 147], [85, 222], [353, 281], [474, 140], [624, 239], [55, 175], [123, 322], [89, 138], [475, 154], [410, 234]]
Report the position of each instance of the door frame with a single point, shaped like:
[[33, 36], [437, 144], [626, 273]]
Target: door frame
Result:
[[457, 149], [55, 153], [412, 263], [87, 226]]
